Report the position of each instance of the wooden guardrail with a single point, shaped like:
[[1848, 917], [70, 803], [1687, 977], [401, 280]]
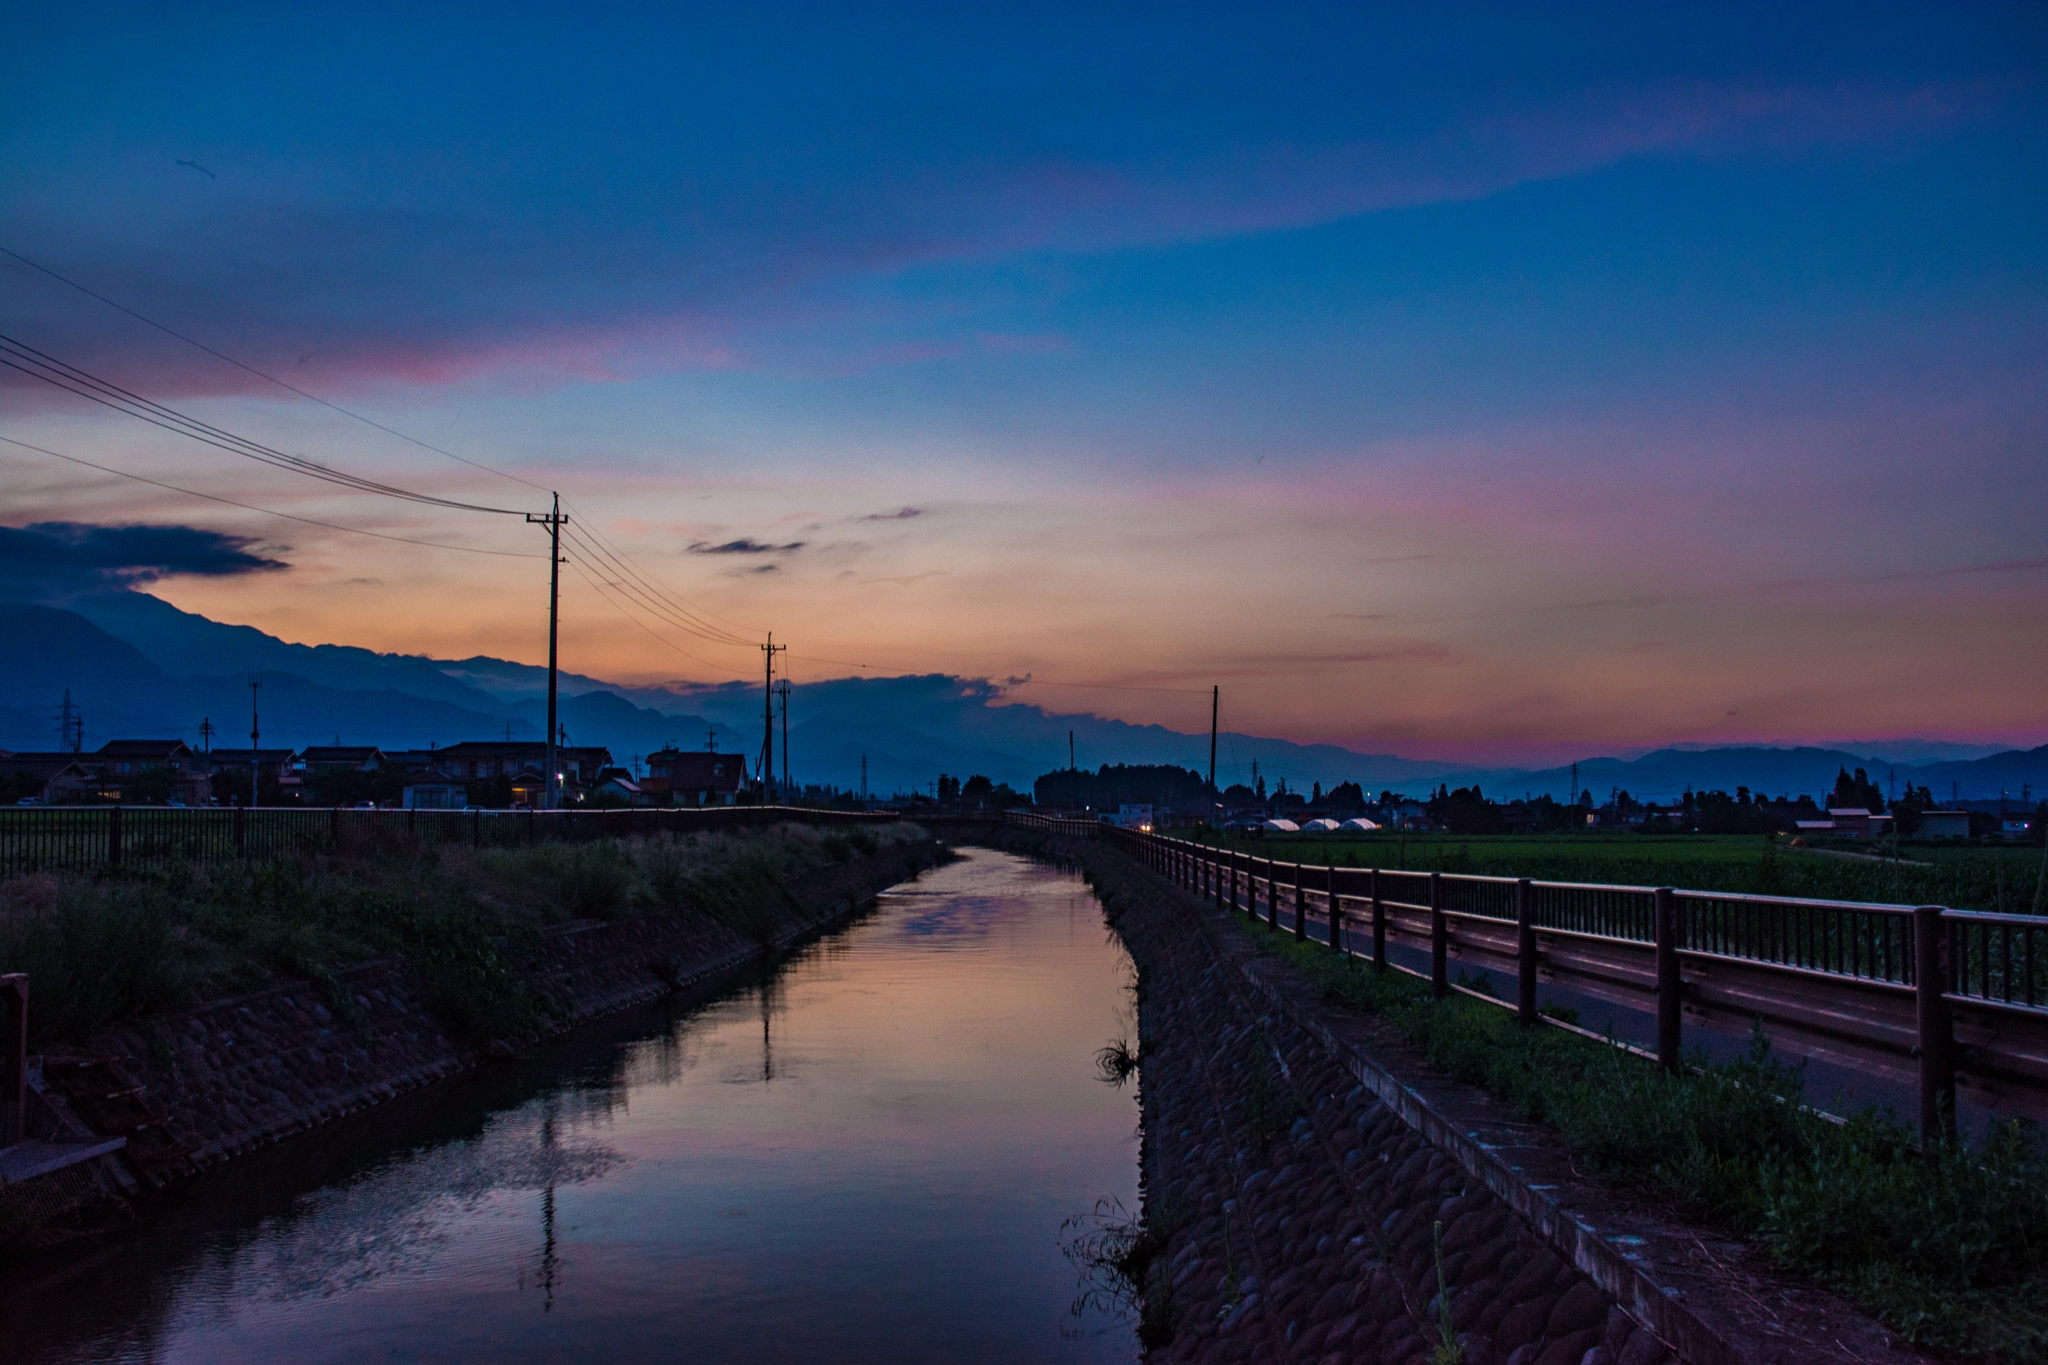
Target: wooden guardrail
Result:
[[1921, 995], [92, 838]]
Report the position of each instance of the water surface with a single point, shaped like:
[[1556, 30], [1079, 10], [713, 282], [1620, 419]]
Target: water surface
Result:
[[867, 1156]]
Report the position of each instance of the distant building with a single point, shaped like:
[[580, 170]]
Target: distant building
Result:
[[341, 757], [279, 765], [683, 777], [434, 794], [524, 762], [129, 768], [1944, 824], [1130, 817], [52, 778]]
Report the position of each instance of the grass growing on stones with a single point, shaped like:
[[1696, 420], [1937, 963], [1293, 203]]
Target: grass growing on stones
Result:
[[99, 950], [1947, 1248]]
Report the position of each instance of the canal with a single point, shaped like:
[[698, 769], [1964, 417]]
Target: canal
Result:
[[866, 1155]]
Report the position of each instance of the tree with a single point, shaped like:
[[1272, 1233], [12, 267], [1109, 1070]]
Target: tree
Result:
[[978, 789], [1855, 793], [949, 788]]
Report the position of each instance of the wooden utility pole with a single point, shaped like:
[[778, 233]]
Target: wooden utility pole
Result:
[[255, 734], [553, 520], [768, 652], [1215, 703]]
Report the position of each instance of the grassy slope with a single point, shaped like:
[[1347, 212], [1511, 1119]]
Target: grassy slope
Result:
[[1949, 1252], [99, 950]]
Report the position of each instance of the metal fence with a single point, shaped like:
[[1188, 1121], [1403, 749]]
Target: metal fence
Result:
[[104, 838], [1833, 980]]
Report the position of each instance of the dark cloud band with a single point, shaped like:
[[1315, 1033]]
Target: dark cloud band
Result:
[[126, 554]]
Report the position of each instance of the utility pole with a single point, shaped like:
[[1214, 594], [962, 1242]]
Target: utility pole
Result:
[[1215, 703], [710, 740], [782, 691], [1574, 801], [1070, 752], [255, 734], [768, 652], [553, 520], [70, 726], [205, 734]]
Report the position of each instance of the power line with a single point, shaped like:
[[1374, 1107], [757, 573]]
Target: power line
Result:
[[19, 355], [261, 374], [266, 511], [603, 547], [662, 604], [635, 620]]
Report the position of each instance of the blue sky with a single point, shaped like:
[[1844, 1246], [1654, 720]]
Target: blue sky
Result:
[[1494, 381]]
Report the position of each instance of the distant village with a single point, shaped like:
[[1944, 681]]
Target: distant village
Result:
[[511, 774]]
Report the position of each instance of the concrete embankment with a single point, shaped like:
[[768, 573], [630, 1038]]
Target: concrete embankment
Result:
[[192, 1089], [1316, 1212]]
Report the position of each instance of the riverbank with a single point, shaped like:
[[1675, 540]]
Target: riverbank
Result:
[[192, 1087], [1308, 1149]]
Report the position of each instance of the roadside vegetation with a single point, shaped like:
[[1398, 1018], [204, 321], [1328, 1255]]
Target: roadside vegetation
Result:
[[1947, 1247], [99, 950], [1961, 877]]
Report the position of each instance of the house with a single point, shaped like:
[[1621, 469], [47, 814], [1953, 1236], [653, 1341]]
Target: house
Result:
[[618, 784], [1944, 824], [351, 757], [150, 770], [693, 778], [53, 778], [435, 793], [278, 765], [524, 763], [1130, 817]]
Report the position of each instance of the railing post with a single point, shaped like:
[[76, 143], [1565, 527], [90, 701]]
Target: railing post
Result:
[[1379, 925], [241, 829], [13, 1058], [1272, 894], [1931, 972], [1670, 995], [1439, 940], [1336, 916], [1300, 903], [1525, 954], [114, 836]]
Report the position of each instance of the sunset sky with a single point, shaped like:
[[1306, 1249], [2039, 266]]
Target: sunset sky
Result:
[[1495, 383]]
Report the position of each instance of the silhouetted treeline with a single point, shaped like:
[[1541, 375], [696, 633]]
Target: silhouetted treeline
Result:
[[1135, 784]]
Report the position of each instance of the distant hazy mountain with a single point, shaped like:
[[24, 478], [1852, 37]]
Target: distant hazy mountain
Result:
[[140, 667]]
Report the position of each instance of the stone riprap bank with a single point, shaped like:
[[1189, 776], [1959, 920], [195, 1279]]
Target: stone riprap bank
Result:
[[1305, 1214], [192, 1089]]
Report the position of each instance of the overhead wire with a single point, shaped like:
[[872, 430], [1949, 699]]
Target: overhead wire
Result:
[[268, 511], [619, 555], [19, 355], [260, 374], [658, 636], [650, 594]]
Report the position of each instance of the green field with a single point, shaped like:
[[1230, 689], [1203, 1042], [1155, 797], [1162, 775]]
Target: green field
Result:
[[1962, 878]]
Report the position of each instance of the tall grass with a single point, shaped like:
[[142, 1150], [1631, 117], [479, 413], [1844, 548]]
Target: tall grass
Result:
[[468, 924]]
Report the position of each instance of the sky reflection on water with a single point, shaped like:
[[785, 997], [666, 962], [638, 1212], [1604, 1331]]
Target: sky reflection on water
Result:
[[867, 1158]]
